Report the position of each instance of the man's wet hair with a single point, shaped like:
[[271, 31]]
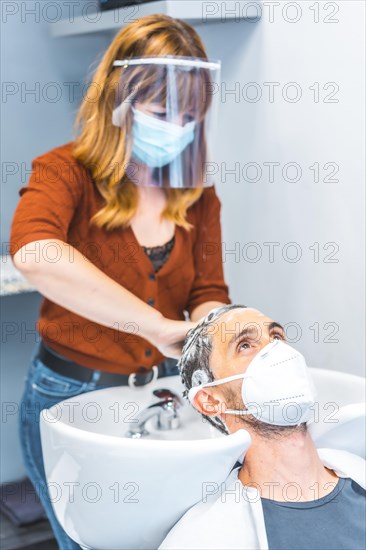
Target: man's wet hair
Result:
[[194, 364]]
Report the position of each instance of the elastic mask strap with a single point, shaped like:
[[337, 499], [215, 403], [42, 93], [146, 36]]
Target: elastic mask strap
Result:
[[193, 391], [227, 379], [241, 412]]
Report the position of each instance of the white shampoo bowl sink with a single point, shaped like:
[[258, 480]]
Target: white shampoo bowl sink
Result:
[[110, 492]]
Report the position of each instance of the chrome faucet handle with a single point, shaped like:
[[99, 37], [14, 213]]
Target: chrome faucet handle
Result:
[[164, 393], [163, 411]]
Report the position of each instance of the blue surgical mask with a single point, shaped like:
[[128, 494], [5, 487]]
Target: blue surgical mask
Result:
[[157, 142]]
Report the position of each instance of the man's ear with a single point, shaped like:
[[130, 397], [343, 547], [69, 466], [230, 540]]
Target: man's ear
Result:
[[206, 403]]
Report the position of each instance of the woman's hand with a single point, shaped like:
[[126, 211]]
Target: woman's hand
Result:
[[170, 337]]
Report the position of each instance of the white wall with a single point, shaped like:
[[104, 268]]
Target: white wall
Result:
[[305, 212]]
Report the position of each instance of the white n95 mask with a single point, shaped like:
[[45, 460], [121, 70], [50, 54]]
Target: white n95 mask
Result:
[[277, 388]]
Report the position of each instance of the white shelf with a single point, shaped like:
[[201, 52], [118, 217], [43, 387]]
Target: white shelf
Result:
[[12, 281], [193, 11]]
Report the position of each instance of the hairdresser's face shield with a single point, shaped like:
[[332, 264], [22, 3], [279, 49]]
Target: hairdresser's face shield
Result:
[[168, 108]]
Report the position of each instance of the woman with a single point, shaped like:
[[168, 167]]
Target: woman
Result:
[[117, 230]]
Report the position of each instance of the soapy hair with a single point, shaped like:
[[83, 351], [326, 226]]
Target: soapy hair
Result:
[[194, 364]]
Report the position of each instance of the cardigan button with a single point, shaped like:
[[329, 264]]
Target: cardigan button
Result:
[[148, 352], [151, 301], [152, 276]]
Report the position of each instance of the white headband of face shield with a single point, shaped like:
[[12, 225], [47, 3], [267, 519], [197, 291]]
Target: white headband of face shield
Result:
[[277, 388], [180, 62]]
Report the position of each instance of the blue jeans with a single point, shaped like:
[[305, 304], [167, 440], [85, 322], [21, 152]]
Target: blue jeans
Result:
[[43, 389]]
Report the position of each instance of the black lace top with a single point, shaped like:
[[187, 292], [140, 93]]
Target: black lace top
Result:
[[159, 255]]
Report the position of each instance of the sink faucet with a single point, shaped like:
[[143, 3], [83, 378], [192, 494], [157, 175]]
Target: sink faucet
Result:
[[164, 412]]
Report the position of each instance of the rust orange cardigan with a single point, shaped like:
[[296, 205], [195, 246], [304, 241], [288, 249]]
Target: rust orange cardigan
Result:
[[58, 203]]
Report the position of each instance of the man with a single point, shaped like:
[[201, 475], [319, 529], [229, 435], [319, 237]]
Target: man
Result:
[[287, 495]]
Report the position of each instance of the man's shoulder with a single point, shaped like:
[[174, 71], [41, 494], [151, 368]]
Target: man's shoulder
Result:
[[345, 464]]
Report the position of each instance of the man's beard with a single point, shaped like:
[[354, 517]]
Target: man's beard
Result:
[[250, 423]]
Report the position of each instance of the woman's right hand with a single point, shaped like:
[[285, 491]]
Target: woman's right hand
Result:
[[170, 337]]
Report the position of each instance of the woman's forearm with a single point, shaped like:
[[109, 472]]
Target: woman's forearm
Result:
[[82, 288]]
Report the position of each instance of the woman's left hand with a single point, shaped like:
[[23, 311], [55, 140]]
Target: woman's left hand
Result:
[[170, 337]]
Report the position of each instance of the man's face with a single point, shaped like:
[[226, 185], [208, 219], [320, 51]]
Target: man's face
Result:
[[238, 336]]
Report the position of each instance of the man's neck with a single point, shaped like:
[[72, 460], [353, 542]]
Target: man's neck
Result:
[[286, 469]]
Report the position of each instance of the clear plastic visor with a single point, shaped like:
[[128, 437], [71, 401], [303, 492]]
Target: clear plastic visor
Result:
[[168, 107]]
